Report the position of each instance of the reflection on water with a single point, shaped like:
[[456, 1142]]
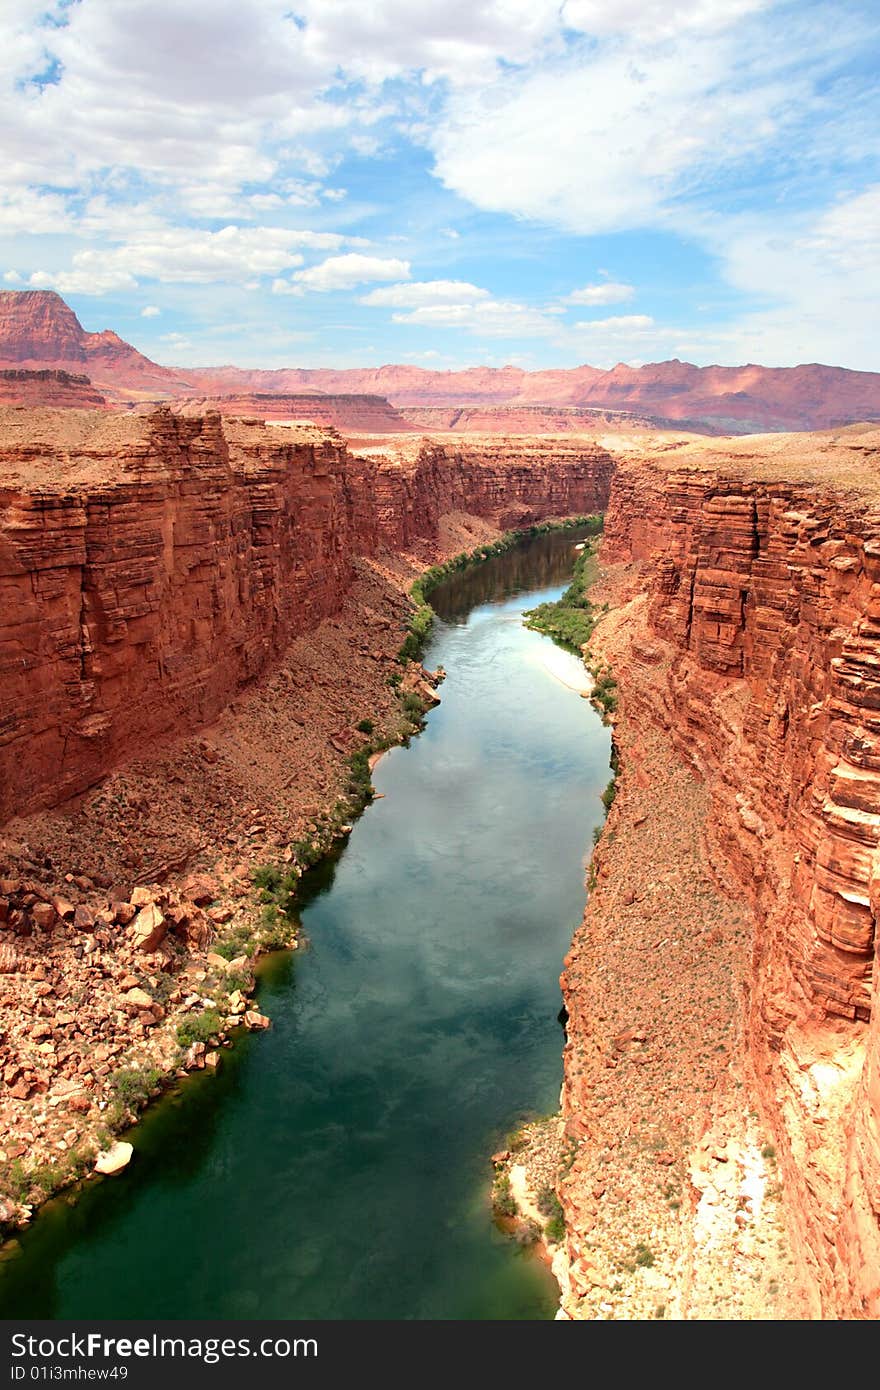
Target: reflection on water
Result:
[[337, 1166], [541, 563]]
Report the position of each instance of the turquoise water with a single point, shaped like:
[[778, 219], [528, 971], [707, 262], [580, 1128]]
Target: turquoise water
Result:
[[337, 1167]]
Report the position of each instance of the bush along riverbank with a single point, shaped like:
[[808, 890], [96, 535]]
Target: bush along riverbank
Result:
[[571, 622], [416, 694], [527, 1172]]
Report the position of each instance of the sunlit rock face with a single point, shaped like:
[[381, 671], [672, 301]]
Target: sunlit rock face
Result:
[[151, 566], [763, 575]]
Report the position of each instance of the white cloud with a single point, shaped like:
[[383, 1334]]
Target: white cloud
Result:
[[150, 311], [612, 140], [625, 323], [421, 292], [458, 41], [29, 211], [655, 18], [606, 293], [91, 277], [345, 272], [818, 276], [493, 318], [181, 255]]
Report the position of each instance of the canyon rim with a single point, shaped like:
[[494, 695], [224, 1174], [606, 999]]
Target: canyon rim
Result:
[[467, 280]]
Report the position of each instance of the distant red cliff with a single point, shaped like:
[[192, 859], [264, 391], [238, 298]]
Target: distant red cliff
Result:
[[38, 330]]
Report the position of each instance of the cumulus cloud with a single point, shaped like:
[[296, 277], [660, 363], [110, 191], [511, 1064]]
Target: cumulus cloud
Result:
[[179, 254], [31, 211], [606, 293], [421, 292], [624, 323], [457, 41], [655, 18], [345, 272], [818, 277], [89, 277], [491, 318], [725, 123], [610, 140], [150, 311]]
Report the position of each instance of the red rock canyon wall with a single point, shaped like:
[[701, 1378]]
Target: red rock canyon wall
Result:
[[145, 578], [768, 593]]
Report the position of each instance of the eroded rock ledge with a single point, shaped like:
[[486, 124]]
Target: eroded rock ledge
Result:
[[751, 644], [152, 568]]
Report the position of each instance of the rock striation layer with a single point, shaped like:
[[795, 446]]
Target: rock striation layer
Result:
[[351, 414], [150, 567], [56, 388], [761, 637]]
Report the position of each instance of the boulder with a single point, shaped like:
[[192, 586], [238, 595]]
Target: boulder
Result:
[[148, 927], [254, 1020], [199, 890], [114, 1159], [139, 998], [84, 918], [43, 915]]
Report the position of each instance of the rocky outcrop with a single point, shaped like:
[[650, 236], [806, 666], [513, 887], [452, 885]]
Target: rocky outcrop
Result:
[[524, 419], [37, 326], [39, 331], [151, 567], [761, 642], [55, 388], [349, 414]]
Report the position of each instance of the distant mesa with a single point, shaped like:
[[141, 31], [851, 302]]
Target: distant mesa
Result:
[[39, 331], [21, 386], [353, 414]]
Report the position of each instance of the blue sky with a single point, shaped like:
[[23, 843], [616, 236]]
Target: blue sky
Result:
[[336, 183]]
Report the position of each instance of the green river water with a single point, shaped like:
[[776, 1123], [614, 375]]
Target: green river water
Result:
[[337, 1166]]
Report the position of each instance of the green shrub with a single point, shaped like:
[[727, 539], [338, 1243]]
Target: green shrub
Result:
[[238, 943], [199, 1027], [365, 726], [132, 1087], [267, 877], [604, 692], [570, 621], [503, 1203], [550, 1206], [412, 706]]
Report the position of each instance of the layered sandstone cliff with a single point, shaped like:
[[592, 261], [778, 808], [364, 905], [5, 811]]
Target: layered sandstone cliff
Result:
[[57, 388], [758, 653], [350, 414], [524, 419], [150, 567]]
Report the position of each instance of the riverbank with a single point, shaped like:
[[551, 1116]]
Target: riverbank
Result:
[[246, 806], [672, 1201], [94, 1023]]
